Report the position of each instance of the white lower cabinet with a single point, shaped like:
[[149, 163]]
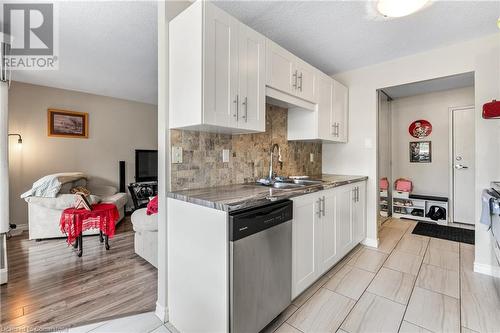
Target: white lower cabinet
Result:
[[326, 226]]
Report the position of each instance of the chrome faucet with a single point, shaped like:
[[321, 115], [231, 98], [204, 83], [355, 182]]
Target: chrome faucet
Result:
[[271, 174]]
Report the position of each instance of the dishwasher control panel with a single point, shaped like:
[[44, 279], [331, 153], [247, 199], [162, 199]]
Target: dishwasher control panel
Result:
[[246, 222]]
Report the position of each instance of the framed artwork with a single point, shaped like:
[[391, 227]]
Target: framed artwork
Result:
[[420, 129], [68, 124], [420, 152]]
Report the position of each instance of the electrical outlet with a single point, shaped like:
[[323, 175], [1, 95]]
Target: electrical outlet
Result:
[[176, 155], [311, 157], [225, 155]]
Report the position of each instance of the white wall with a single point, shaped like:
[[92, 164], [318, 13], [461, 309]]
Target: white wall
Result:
[[167, 10], [116, 128], [385, 143], [359, 155], [428, 178]]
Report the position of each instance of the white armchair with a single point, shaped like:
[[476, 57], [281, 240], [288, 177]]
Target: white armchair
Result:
[[44, 214], [146, 235]]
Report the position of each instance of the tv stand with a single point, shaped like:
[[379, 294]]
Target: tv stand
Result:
[[141, 193]]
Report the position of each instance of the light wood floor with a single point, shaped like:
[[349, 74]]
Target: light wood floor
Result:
[[50, 287], [409, 284]]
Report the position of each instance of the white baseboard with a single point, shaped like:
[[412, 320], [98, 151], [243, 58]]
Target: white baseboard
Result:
[[371, 242], [161, 312], [490, 270]]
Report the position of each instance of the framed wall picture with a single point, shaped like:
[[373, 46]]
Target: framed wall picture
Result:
[[67, 124], [420, 152]]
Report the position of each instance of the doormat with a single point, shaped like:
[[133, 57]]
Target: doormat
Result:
[[445, 232]]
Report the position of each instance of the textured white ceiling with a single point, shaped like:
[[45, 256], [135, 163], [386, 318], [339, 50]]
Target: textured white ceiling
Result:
[[430, 86], [106, 48], [336, 36], [110, 47]]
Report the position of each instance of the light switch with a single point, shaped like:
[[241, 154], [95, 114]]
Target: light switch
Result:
[[225, 155], [176, 155], [311, 157]]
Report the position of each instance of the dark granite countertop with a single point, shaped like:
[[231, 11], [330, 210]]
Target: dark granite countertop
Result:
[[233, 197]]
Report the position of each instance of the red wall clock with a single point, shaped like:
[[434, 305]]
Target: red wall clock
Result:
[[420, 129]]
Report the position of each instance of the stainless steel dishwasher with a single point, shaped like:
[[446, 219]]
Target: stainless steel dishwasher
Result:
[[260, 265]]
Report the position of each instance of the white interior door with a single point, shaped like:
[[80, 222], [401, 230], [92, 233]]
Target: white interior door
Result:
[[463, 165]]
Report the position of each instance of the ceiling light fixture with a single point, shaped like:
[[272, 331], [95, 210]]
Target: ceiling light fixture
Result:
[[400, 8]]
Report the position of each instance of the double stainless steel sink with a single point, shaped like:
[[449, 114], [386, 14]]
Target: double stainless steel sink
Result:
[[296, 183]]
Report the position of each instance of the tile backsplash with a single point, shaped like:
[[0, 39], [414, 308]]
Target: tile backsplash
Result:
[[202, 164]]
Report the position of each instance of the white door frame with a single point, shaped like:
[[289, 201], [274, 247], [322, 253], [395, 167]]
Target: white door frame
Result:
[[451, 158]]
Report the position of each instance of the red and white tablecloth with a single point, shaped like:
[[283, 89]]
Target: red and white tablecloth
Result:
[[102, 216]]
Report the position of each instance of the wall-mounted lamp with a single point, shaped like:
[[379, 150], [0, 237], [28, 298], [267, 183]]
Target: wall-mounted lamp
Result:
[[20, 139]]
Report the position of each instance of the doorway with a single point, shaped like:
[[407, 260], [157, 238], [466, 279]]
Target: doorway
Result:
[[462, 164], [426, 135]]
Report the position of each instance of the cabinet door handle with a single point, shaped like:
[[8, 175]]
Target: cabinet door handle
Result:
[[323, 206], [354, 194], [338, 129], [237, 102], [245, 104], [300, 78], [357, 194], [295, 80], [319, 208]]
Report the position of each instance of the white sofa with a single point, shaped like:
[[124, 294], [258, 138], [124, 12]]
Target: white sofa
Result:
[[44, 214], [146, 235]]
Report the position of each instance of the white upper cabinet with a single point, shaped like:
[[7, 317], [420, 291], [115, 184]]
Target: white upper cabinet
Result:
[[289, 74], [217, 72], [306, 81], [325, 109], [220, 71], [340, 112], [280, 68], [251, 74], [220, 66], [328, 122]]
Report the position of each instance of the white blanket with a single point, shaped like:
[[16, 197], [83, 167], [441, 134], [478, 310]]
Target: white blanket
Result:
[[49, 186]]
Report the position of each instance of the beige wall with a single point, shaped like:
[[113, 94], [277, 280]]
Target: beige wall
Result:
[[428, 178], [116, 128], [359, 155]]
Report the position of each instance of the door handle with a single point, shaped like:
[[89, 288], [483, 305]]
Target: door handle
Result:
[[300, 78], [319, 208], [323, 206], [460, 166], [245, 104], [295, 80], [237, 101], [354, 194]]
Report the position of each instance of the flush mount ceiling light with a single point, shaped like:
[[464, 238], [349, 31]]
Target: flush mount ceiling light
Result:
[[400, 8]]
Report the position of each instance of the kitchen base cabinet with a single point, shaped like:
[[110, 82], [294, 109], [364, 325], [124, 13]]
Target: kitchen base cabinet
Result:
[[304, 242], [326, 226]]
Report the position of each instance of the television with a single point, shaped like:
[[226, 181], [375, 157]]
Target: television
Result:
[[146, 165]]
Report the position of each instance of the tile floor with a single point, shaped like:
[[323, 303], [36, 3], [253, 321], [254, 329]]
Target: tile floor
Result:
[[410, 283]]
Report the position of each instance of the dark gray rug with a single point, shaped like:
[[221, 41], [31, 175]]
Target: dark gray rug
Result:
[[445, 232]]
